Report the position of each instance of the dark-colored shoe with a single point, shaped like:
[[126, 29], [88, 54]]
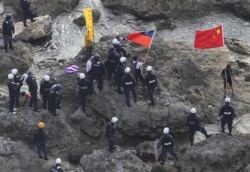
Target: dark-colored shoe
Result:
[[25, 25], [36, 110], [40, 156], [55, 114], [12, 48], [230, 134], [135, 100], [46, 158], [162, 162], [222, 131], [33, 20]]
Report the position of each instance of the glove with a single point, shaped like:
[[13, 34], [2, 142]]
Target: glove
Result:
[[219, 118]]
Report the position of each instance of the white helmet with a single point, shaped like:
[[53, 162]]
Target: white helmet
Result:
[[227, 99], [114, 120], [166, 130], [149, 68], [14, 71], [127, 70], [81, 75], [46, 77], [193, 110], [58, 161], [123, 59], [115, 41], [10, 76]]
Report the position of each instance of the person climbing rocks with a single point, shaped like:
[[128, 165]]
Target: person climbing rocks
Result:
[[57, 167], [151, 84], [8, 32], [228, 77], [25, 4], [40, 139], [110, 133]]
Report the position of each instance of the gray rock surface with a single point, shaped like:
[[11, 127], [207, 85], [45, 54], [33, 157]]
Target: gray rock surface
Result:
[[80, 21]]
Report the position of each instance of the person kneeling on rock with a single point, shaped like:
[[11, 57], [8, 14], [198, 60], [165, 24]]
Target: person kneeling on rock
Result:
[[110, 133], [167, 143], [57, 167], [194, 125]]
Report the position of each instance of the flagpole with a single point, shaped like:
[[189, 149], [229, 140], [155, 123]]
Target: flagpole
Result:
[[145, 59]]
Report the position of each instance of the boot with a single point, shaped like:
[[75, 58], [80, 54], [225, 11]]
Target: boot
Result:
[[10, 45], [6, 48]]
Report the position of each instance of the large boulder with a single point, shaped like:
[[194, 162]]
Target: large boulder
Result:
[[36, 30]]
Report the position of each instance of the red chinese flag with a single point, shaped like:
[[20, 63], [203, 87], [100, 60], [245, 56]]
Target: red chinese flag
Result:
[[143, 38], [212, 38]]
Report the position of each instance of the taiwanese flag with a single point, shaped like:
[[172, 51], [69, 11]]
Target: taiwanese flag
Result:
[[211, 38], [143, 38]]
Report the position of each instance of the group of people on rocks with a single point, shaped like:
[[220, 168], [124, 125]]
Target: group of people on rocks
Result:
[[50, 92]]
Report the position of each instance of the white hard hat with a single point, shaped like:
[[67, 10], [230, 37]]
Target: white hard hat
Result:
[[123, 59], [14, 71], [149, 68], [81, 75], [10, 76], [115, 41], [127, 70], [166, 130], [46, 77], [114, 120], [58, 161], [193, 110], [227, 99]]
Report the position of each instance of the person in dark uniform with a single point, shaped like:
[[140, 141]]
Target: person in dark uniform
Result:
[[84, 89], [111, 63], [226, 115], [110, 133], [167, 143], [57, 167], [32, 84], [19, 80], [40, 138], [128, 84], [137, 71], [194, 125], [120, 71], [117, 44], [98, 71], [8, 31], [228, 78], [151, 84], [25, 4], [45, 90], [54, 99], [12, 87]]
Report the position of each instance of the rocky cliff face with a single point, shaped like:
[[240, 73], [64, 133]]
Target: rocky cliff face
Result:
[[187, 78]]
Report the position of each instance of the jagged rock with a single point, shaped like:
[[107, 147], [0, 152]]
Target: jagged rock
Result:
[[80, 21], [237, 46], [120, 160], [76, 153], [169, 23], [145, 151], [35, 30]]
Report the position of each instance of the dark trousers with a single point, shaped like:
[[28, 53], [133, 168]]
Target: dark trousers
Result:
[[111, 143], [45, 100], [127, 94], [111, 71], [27, 14], [17, 97], [7, 40], [12, 102], [165, 151], [99, 80], [83, 101], [151, 94], [119, 84], [33, 100], [88, 52], [229, 122], [139, 75], [192, 133], [42, 148], [52, 105]]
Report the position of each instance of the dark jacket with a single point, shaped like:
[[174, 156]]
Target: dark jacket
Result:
[[98, 69], [25, 4], [19, 80], [110, 130], [150, 80], [84, 87], [56, 168], [227, 111], [193, 122], [166, 141], [45, 88], [128, 81], [40, 137], [12, 87], [31, 81], [8, 28], [120, 70]]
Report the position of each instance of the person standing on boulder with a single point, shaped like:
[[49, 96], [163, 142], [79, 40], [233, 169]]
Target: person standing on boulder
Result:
[[32, 84], [151, 84], [8, 31], [194, 125], [40, 138], [167, 143], [128, 85], [25, 4], [228, 77], [110, 133], [12, 87], [57, 167], [226, 115], [84, 89]]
